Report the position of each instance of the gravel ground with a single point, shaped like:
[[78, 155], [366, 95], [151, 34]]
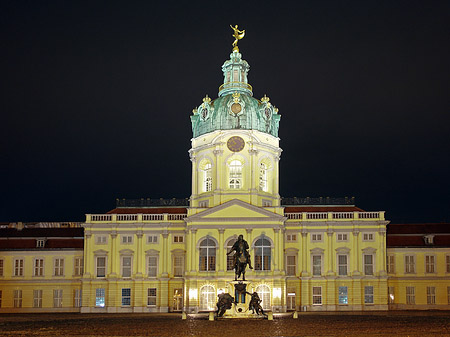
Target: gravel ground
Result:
[[309, 324]]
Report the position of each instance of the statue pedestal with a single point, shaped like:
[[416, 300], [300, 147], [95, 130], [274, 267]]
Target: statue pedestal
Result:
[[239, 308]]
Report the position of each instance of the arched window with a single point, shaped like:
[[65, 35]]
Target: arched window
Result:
[[207, 255], [207, 179], [207, 298], [264, 294], [263, 177], [262, 254], [230, 258], [235, 174]]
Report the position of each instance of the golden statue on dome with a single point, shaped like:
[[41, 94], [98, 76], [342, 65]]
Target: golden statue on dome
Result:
[[238, 35]]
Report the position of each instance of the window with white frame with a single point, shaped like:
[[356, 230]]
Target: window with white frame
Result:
[[38, 267], [342, 237], [235, 181], [207, 255], [101, 266], [1, 266], [291, 265], [368, 295], [342, 264], [207, 298], [264, 295], [317, 265], [78, 266], [57, 298], [368, 260], [77, 298], [431, 295], [37, 298], [178, 265], [18, 267], [203, 203], [316, 237], [101, 239], [430, 263], [317, 295], [151, 296], [126, 266], [127, 239], [17, 298], [152, 263], [230, 258], [343, 295], [390, 264], [391, 298], [126, 297], [368, 236], [290, 298], [207, 178], [40, 243], [178, 238], [152, 238], [410, 264], [100, 297], [266, 203], [291, 237], [263, 254], [263, 177], [410, 295], [58, 267]]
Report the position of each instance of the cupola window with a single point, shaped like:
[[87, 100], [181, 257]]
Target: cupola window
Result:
[[207, 179], [263, 177], [235, 181]]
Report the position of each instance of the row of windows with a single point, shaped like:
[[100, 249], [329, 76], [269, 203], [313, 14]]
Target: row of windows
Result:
[[38, 267], [411, 295], [38, 296], [340, 237], [342, 295], [100, 297], [235, 176], [410, 264], [128, 239]]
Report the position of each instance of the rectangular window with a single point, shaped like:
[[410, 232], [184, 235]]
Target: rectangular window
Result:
[[77, 298], [18, 267], [78, 266], [40, 243], [431, 295], [152, 266], [391, 295], [1, 267], [390, 265], [57, 298], [126, 297], [317, 295], [152, 239], [342, 265], [368, 237], [101, 266], [58, 267], [410, 295], [317, 265], [291, 262], [368, 294], [37, 298], [342, 237], [343, 295], [291, 237], [429, 263], [38, 267], [17, 298], [127, 239], [126, 266], [316, 237], [178, 238], [410, 264], [100, 297], [447, 263], [368, 264], [101, 239], [151, 296], [178, 265]]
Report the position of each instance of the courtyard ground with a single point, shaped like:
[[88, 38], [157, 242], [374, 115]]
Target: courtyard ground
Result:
[[417, 323]]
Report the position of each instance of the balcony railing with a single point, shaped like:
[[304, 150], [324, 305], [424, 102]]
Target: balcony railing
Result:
[[317, 201], [335, 216], [133, 218], [120, 203]]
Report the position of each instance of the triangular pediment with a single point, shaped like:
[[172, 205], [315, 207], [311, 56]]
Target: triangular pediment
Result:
[[235, 209]]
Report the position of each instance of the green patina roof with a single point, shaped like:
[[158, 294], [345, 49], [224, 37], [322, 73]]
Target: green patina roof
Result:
[[235, 108]]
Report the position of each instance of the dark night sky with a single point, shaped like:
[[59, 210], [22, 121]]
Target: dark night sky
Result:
[[96, 98]]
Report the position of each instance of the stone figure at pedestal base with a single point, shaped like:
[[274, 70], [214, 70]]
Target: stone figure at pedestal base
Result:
[[255, 304], [224, 303]]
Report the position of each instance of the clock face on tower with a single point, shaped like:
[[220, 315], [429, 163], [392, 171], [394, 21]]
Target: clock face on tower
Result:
[[235, 144]]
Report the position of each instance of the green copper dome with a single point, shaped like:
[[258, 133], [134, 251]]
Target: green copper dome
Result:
[[235, 108]]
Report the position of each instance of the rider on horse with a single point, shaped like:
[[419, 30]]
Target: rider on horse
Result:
[[240, 247]]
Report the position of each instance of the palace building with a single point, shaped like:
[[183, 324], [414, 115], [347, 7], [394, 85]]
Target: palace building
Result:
[[308, 254]]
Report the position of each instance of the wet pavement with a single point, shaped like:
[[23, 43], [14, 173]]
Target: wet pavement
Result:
[[417, 323]]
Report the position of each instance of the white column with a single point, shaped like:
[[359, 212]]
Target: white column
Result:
[[139, 254], [356, 252], [193, 249], [221, 249]]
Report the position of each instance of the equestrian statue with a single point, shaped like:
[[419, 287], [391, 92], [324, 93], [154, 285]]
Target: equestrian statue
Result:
[[241, 257]]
